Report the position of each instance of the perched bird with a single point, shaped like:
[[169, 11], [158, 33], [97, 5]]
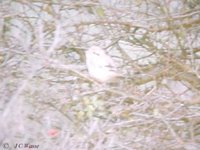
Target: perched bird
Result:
[[101, 66]]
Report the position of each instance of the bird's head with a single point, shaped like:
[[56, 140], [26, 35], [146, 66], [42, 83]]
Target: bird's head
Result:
[[95, 50]]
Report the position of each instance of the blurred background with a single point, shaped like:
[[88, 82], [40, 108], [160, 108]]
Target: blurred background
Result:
[[49, 101]]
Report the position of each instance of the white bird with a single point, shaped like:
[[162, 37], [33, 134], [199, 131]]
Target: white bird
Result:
[[101, 66]]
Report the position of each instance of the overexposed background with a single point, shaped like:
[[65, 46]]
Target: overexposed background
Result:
[[48, 99]]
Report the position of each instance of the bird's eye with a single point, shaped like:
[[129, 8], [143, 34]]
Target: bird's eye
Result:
[[96, 53]]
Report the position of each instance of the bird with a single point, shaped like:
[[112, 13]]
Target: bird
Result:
[[100, 65]]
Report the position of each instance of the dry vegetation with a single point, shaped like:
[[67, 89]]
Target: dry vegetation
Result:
[[48, 99]]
